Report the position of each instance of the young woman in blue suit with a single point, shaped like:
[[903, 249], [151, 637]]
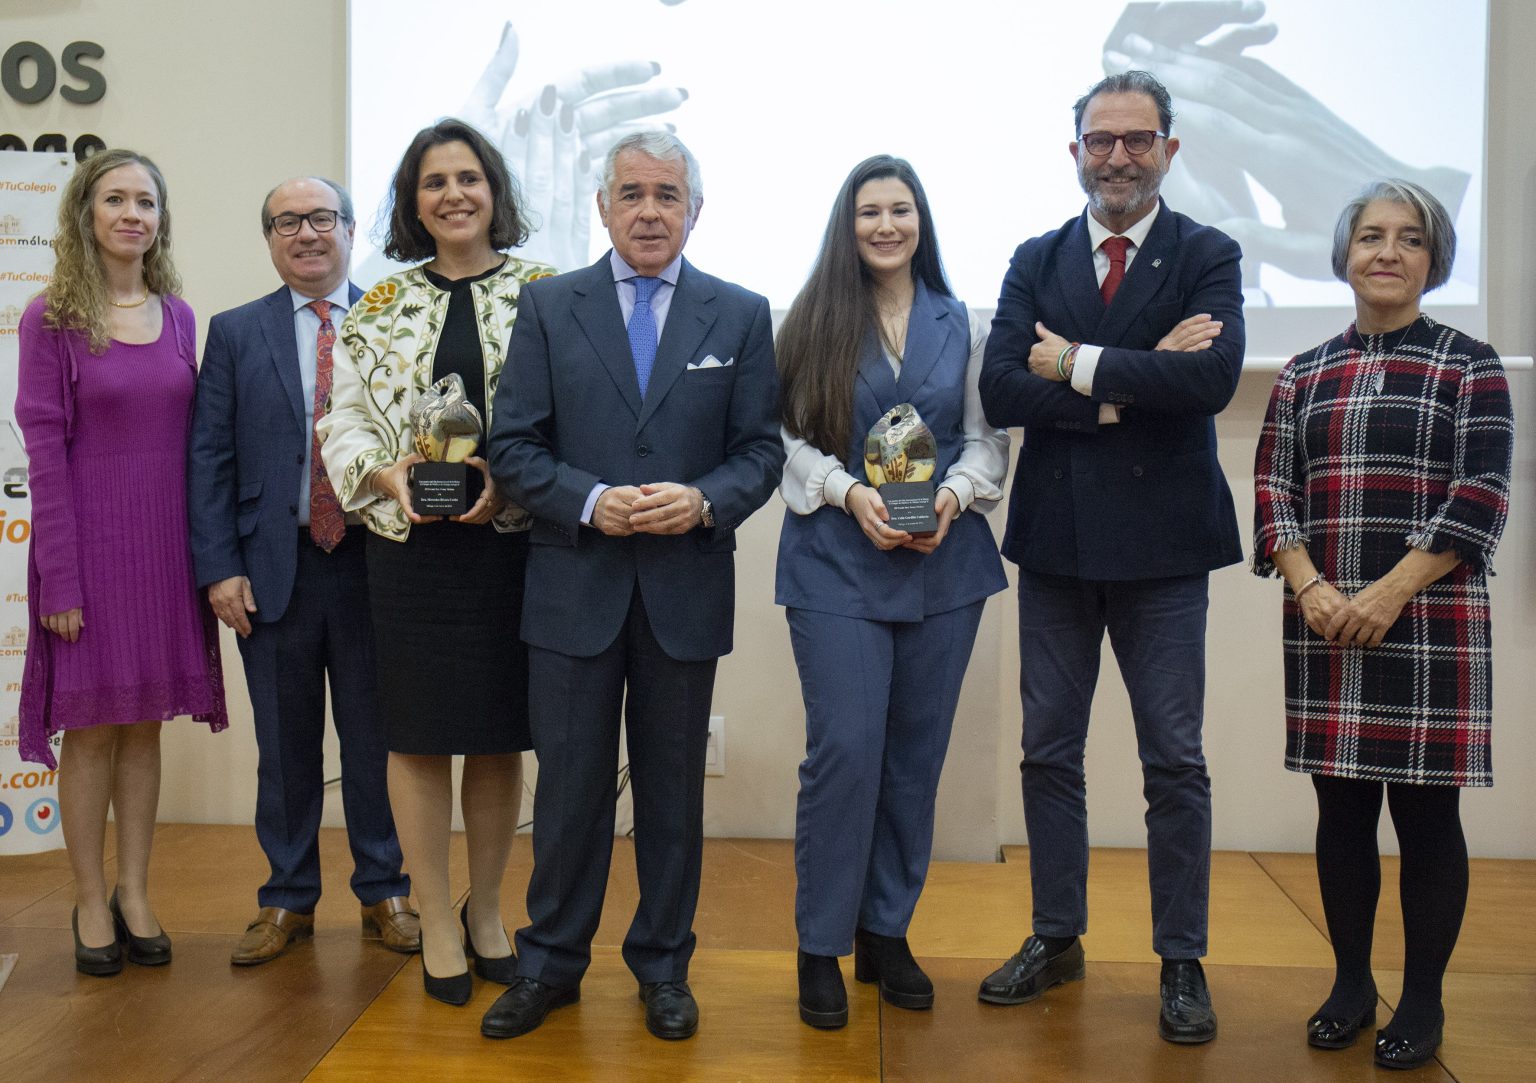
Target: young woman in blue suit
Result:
[[882, 621]]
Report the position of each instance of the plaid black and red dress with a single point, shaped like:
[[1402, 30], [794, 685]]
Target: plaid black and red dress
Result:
[[1374, 443]]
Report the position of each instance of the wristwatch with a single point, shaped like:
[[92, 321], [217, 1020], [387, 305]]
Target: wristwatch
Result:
[[706, 510]]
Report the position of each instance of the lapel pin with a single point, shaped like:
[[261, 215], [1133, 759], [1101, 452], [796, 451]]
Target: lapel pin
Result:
[[1157, 263]]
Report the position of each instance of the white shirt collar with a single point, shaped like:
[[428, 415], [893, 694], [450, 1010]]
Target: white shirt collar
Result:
[[622, 271], [1137, 234], [340, 297]]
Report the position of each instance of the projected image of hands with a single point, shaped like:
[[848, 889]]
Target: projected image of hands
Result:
[[555, 140], [1240, 118]]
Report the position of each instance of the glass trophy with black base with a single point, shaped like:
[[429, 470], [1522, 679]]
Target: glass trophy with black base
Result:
[[447, 430], [899, 459]]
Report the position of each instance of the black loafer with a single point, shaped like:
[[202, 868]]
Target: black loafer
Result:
[[1408, 1052], [1030, 972], [1186, 1016], [1335, 1032], [97, 962], [142, 950], [670, 1010], [823, 997], [523, 1007], [501, 970], [888, 960]]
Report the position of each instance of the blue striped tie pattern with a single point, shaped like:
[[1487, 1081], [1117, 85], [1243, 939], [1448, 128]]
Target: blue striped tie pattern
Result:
[[642, 330]]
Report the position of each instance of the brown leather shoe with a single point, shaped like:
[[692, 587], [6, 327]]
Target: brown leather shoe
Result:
[[394, 922], [270, 934]]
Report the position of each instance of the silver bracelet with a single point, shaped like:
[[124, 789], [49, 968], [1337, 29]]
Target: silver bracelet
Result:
[[1309, 584]]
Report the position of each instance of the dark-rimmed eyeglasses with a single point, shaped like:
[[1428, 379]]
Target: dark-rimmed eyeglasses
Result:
[[286, 225], [1102, 144]]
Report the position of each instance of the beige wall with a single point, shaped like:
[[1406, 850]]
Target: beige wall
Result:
[[230, 98]]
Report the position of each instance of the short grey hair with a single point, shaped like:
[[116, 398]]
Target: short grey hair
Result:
[[1128, 82], [343, 201], [1439, 231], [664, 147]]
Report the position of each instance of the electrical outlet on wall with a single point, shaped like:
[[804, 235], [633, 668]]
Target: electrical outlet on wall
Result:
[[714, 752]]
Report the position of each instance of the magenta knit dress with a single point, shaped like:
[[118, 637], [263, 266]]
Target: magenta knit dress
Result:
[[106, 439]]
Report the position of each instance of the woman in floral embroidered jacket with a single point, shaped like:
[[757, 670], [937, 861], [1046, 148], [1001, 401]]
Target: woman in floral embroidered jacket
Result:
[[446, 593]]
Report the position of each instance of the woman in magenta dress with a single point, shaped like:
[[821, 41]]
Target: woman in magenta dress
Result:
[[119, 639]]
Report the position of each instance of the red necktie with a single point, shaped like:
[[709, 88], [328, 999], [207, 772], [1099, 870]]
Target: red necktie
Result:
[[327, 523], [1115, 248]]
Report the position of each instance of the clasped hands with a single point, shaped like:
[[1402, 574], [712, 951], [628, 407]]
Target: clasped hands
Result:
[[393, 483], [664, 507], [869, 511], [1361, 621], [1189, 335]]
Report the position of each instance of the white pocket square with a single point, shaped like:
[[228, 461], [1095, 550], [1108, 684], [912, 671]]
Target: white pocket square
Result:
[[711, 362]]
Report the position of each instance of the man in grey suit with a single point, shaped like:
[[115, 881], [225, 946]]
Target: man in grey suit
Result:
[[637, 420], [285, 571]]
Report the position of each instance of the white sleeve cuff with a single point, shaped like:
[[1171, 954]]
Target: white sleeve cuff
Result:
[[960, 485], [591, 505], [835, 489], [1083, 367]]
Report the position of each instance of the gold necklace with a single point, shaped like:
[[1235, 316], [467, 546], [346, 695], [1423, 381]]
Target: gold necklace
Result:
[[129, 304]]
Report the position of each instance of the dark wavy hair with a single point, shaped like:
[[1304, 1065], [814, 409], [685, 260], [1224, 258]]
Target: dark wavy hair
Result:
[[406, 238], [824, 332]]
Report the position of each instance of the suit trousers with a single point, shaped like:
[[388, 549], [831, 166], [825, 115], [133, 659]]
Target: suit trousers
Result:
[[880, 699], [1157, 630], [575, 706], [324, 631]]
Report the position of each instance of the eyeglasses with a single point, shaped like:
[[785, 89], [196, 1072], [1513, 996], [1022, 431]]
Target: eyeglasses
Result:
[[1102, 144], [286, 225]]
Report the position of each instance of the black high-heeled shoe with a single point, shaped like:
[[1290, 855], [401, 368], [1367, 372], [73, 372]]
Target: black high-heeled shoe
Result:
[[142, 950], [97, 962], [888, 960], [1340, 1032], [502, 971]]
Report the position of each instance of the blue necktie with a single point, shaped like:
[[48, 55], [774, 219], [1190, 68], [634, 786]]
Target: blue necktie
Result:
[[642, 330]]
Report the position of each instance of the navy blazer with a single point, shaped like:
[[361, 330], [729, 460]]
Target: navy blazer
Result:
[[245, 461], [826, 564], [568, 414], [1144, 498]]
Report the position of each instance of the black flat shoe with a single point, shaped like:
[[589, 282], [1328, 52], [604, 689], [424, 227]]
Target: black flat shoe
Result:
[[670, 1010], [1186, 1017], [823, 997], [502, 971], [142, 950], [1408, 1052], [523, 1007], [1340, 1032], [1030, 972], [455, 990], [97, 962], [888, 960]]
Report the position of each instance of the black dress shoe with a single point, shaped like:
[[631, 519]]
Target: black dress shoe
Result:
[[823, 997], [1186, 1016], [670, 1010], [1030, 972], [142, 950], [1408, 1051], [97, 962], [888, 960], [523, 1007], [502, 971], [1340, 1032], [455, 990]]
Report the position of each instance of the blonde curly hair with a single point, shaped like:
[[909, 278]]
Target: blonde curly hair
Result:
[[77, 292]]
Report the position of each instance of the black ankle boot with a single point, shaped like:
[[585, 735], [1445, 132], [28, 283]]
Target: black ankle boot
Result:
[[823, 999], [888, 960]]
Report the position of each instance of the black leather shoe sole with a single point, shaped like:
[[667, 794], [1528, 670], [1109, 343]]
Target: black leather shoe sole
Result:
[[1186, 1035], [911, 1001], [833, 1020], [523, 1024], [1405, 1054]]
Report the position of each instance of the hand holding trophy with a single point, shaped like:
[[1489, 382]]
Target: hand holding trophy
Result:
[[899, 459], [447, 430]]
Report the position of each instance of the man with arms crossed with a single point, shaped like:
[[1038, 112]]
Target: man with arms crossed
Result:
[[1117, 340], [285, 570], [638, 422]]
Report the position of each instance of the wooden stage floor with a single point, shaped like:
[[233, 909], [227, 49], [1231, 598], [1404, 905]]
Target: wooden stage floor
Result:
[[341, 1009]]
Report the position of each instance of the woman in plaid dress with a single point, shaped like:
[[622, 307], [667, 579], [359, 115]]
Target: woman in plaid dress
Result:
[[1382, 482]]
